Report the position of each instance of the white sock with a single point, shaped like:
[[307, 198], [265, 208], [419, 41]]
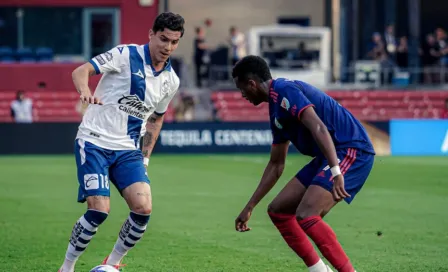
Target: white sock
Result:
[[131, 232], [83, 231], [68, 265], [320, 266]]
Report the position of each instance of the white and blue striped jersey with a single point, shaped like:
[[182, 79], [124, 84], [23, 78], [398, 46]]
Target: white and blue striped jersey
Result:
[[131, 90]]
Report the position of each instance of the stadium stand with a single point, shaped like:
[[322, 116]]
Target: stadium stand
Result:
[[49, 106], [365, 105]]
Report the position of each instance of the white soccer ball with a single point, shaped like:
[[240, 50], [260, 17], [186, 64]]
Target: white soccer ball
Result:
[[104, 268]]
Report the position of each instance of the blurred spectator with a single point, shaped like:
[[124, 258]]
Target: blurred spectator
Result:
[[391, 41], [430, 59], [200, 55], [402, 53], [445, 111], [378, 50], [22, 108], [184, 110], [237, 42], [443, 46]]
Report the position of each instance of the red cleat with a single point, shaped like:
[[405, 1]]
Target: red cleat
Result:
[[118, 266]]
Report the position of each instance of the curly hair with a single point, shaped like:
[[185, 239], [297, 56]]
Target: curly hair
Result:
[[173, 22], [251, 66]]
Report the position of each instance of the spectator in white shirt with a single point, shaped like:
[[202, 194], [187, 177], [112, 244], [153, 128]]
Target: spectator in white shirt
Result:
[[22, 109], [238, 45]]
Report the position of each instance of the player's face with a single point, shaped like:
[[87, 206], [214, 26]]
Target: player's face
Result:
[[163, 43], [249, 91]]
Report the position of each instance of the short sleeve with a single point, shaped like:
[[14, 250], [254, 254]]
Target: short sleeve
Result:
[[293, 99], [277, 136], [111, 61], [162, 106]]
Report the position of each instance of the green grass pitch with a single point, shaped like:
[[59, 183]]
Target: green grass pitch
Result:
[[196, 199]]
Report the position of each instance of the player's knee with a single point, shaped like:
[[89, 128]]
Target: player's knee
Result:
[[145, 208], [272, 208], [306, 210], [99, 203]]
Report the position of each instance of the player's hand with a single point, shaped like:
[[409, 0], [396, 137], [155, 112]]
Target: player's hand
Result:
[[87, 98], [339, 192], [241, 220]]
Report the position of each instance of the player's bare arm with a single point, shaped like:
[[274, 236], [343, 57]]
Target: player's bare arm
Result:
[[323, 138], [80, 78], [153, 127], [272, 173]]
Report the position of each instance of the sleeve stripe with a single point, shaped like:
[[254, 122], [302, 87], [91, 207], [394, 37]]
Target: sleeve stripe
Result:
[[304, 108], [95, 66], [160, 114]]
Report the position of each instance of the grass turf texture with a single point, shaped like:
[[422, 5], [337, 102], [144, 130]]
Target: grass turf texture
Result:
[[196, 199]]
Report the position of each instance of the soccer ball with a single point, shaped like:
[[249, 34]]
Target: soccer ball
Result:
[[104, 268]]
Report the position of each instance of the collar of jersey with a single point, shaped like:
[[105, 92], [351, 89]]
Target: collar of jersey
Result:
[[149, 62]]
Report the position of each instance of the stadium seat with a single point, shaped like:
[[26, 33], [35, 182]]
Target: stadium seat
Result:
[[25, 54], [365, 105], [44, 54]]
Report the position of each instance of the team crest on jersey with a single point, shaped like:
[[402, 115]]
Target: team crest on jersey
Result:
[[277, 123], [285, 103], [132, 105], [165, 88]]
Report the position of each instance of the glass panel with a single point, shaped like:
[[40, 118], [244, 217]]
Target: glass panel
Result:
[[56, 28], [101, 33], [8, 27]]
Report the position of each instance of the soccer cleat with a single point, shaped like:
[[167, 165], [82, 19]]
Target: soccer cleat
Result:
[[118, 266]]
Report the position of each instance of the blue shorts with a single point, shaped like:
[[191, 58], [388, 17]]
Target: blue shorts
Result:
[[97, 166], [355, 165]]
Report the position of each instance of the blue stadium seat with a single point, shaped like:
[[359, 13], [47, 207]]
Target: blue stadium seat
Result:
[[25, 54], [6, 52], [7, 60], [44, 54]]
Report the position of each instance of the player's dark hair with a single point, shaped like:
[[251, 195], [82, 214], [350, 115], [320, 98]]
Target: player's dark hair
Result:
[[251, 67], [173, 22]]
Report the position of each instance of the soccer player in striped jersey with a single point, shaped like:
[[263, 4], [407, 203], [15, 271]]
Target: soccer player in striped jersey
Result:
[[137, 85], [318, 127]]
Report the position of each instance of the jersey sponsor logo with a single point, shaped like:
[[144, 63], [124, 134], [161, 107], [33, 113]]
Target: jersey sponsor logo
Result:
[[285, 103], [120, 49], [91, 181], [108, 56], [100, 60], [139, 74], [132, 105], [94, 134], [277, 123]]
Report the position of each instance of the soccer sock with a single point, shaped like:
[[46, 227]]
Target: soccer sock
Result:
[[131, 232], [325, 239], [297, 240], [83, 231]]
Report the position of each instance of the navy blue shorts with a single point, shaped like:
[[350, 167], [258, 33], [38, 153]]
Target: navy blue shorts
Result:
[[355, 165], [97, 166]]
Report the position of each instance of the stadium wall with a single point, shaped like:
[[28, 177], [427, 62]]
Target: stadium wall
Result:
[[407, 137], [135, 19]]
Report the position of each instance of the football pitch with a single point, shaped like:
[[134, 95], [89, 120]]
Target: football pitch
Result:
[[195, 201]]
